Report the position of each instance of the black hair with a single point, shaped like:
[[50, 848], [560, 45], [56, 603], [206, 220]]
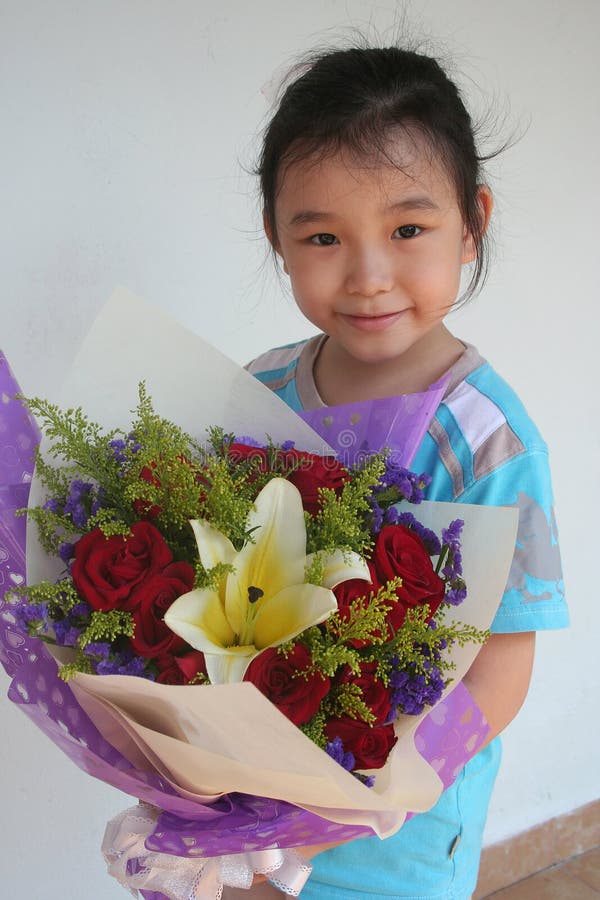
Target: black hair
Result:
[[354, 100]]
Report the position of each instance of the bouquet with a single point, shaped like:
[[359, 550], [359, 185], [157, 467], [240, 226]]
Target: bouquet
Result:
[[187, 564], [301, 602]]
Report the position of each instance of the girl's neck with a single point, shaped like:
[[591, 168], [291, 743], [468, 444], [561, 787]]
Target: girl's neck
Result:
[[341, 378]]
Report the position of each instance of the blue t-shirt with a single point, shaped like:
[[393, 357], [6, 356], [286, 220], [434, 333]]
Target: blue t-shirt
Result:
[[483, 448]]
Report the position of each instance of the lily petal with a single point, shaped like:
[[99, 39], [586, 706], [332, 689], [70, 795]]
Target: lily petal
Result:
[[213, 546], [341, 565], [198, 617], [290, 612], [275, 558], [225, 668]]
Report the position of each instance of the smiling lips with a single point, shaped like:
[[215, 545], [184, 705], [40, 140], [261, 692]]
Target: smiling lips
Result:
[[372, 323]]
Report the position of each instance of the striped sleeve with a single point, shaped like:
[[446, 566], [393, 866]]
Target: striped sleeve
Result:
[[492, 454]]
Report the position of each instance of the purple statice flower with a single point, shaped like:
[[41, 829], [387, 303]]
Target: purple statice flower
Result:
[[67, 634], [135, 445], [455, 596], [367, 780], [78, 502], [451, 539], [429, 537], [377, 519], [81, 610], [412, 692], [120, 664], [391, 516], [69, 629], [108, 661], [288, 445], [119, 448], [409, 485], [452, 568], [84, 500], [66, 551], [451, 534], [32, 616], [248, 441], [98, 649], [335, 749], [398, 483], [417, 692], [53, 505]]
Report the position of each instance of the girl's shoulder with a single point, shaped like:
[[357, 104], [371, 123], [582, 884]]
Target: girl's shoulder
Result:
[[486, 441], [483, 411], [278, 359], [287, 371]]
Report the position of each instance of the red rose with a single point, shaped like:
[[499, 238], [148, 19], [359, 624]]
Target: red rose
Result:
[[283, 680], [373, 691], [400, 552], [109, 572], [258, 456], [370, 746], [152, 637], [180, 669], [191, 664], [314, 472]]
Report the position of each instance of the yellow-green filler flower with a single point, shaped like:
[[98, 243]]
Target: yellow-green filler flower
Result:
[[265, 600]]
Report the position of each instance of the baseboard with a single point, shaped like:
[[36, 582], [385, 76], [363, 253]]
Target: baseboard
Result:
[[538, 848]]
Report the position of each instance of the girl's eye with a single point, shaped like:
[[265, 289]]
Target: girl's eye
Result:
[[323, 240], [407, 231]]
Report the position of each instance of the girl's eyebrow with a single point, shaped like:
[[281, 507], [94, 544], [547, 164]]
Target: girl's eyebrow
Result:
[[310, 216], [307, 216], [412, 203]]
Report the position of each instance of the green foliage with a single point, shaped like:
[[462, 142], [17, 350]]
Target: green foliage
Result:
[[211, 578], [343, 519], [367, 619], [315, 729], [81, 663], [61, 596], [315, 571], [228, 500], [107, 626], [347, 701]]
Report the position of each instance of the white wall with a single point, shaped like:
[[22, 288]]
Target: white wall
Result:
[[125, 129]]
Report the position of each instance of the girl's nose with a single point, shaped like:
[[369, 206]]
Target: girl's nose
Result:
[[369, 273]]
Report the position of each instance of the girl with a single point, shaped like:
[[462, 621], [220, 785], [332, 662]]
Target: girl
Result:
[[374, 202]]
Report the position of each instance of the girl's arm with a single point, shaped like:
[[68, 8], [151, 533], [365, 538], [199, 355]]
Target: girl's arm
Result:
[[499, 677]]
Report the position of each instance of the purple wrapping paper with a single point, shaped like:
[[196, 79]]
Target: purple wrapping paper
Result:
[[355, 430], [447, 737]]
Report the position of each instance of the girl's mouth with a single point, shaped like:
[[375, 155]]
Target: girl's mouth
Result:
[[373, 323]]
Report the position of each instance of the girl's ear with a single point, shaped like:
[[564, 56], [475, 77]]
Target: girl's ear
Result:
[[273, 241], [485, 201]]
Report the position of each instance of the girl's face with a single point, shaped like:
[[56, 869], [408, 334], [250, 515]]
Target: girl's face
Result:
[[374, 253]]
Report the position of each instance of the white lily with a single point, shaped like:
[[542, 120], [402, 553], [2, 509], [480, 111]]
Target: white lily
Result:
[[264, 601]]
